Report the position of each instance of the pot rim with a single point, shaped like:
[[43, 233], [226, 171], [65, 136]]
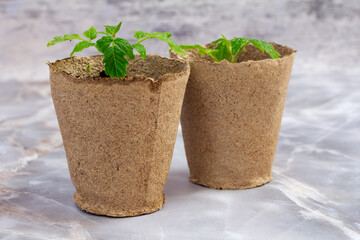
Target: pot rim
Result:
[[202, 60], [168, 76]]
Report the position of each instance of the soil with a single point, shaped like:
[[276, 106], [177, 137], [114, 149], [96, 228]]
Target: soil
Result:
[[153, 67], [103, 74]]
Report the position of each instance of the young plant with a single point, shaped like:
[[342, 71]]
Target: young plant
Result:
[[230, 49], [115, 50]]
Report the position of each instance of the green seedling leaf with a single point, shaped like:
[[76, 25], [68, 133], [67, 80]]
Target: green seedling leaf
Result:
[[221, 52], [224, 51], [81, 46], [115, 62], [140, 49], [216, 41], [165, 36], [64, 38], [91, 33], [238, 44], [141, 34], [265, 46], [112, 30], [125, 46], [225, 41], [175, 47], [202, 50], [195, 46], [103, 44]]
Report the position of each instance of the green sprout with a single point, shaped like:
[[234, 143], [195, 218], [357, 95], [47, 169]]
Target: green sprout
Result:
[[115, 50], [230, 49]]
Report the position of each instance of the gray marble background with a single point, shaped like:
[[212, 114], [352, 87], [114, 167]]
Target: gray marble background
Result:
[[315, 193]]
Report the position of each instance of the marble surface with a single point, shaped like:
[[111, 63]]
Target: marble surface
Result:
[[315, 193]]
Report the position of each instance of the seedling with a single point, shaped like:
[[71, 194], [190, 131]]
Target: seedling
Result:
[[115, 50], [230, 49]]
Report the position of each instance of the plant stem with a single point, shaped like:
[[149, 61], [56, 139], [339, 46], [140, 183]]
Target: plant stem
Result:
[[103, 33], [237, 55], [232, 56], [238, 52], [215, 59], [141, 40]]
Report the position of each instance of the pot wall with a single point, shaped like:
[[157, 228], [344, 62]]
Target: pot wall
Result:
[[119, 136], [231, 118]]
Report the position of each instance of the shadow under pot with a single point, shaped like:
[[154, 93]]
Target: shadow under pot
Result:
[[119, 134], [231, 117]]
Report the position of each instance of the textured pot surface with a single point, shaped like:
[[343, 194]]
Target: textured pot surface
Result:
[[119, 134], [231, 117]]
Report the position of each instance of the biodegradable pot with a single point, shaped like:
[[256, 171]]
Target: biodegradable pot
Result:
[[119, 134], [231, 117]]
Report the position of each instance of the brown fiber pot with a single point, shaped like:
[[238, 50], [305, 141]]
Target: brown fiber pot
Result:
[[119, 134], [231, 117]]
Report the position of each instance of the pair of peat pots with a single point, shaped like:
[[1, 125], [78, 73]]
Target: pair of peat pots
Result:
[[119, 134]]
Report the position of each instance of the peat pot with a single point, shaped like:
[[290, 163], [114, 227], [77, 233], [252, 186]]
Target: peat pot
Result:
[[119, 134], [231, 117]]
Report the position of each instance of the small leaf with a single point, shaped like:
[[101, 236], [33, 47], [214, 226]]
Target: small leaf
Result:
[[141, 34], [265, 46], [91, 33], [223, 51], [140, 49], [125, 46], [189, 46], [201, 49], [216, 41], [72, 36], [81, 46], [112, 30], [226, 43], [115, 62], [64, 38], [161, 36], [238, 44], [167, 34], [173, 45], [103, 43]]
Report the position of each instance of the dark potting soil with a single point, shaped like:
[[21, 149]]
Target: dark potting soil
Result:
[[103, 74]]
